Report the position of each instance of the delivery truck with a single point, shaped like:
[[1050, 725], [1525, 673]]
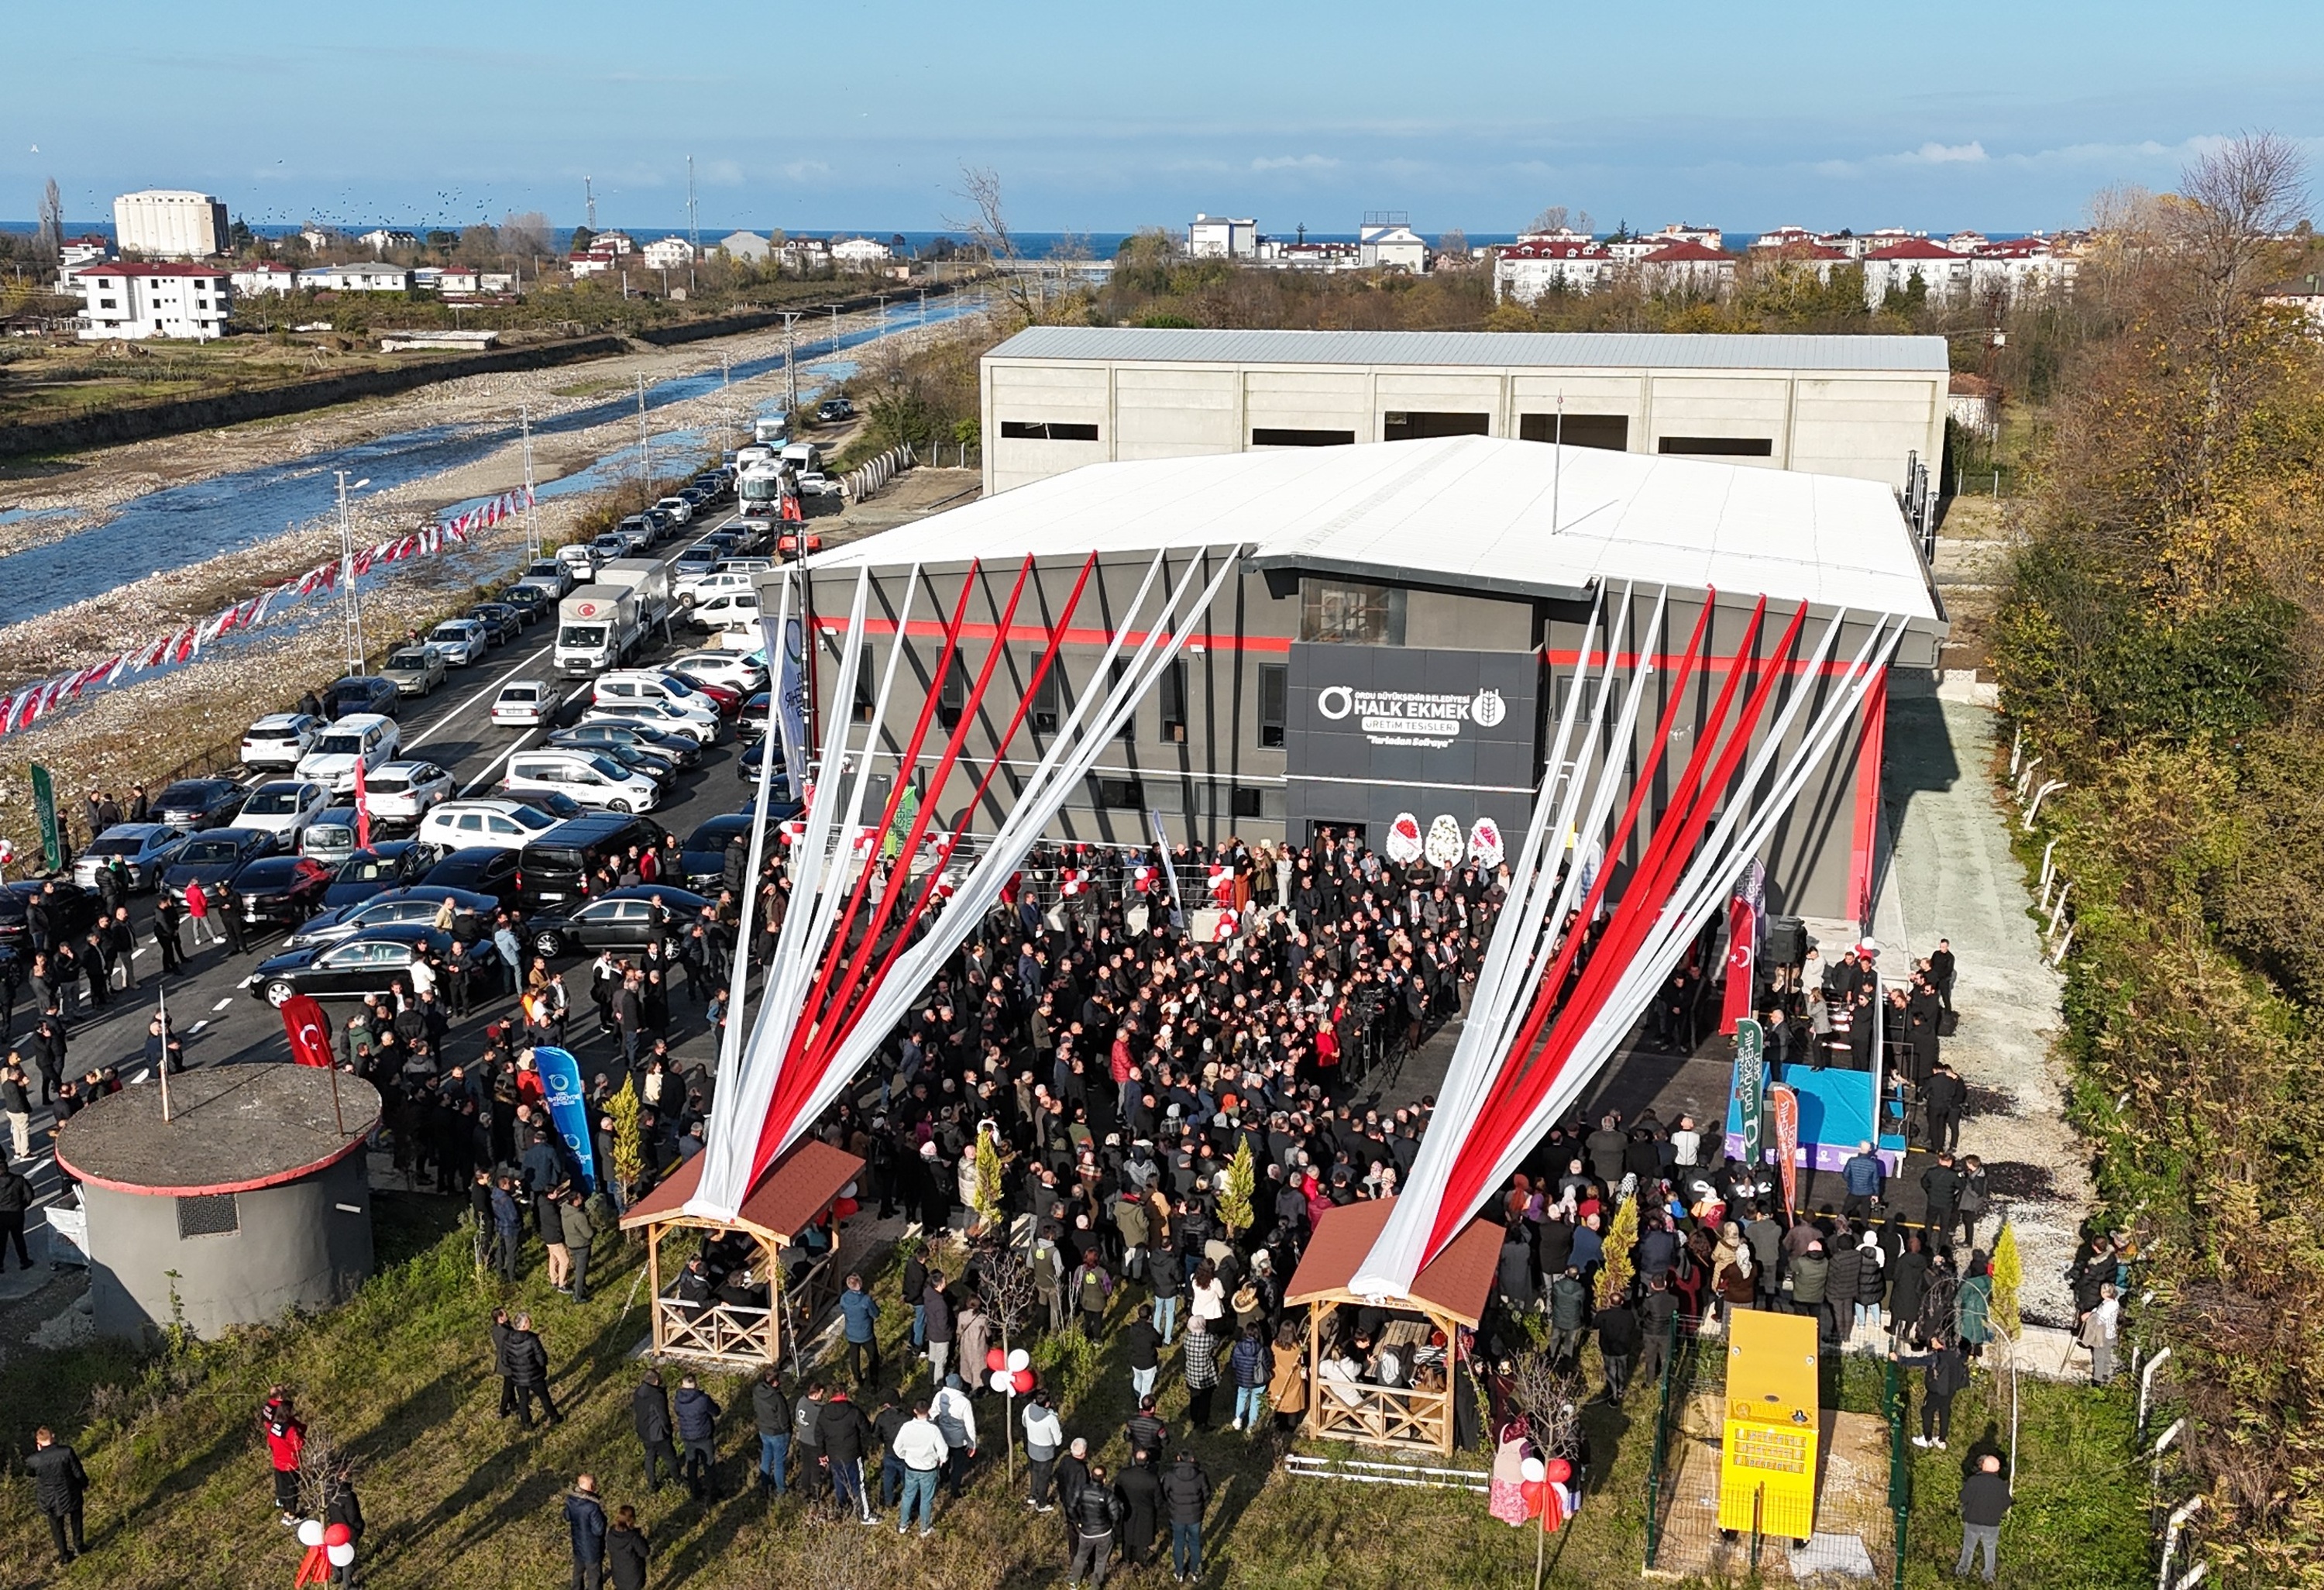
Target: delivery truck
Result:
[[598, 628]]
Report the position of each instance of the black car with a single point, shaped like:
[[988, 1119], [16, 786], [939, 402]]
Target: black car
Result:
[[531, 603], [502, 622], [280, 890], [832, 411], [704, 859], [209, 858], [72, 912], [388, 865], [680, 750], [360, 693], [480, 869], [624, 919], [751, 723], [415, 907], [200, 803], [653, 764], [372, 962]]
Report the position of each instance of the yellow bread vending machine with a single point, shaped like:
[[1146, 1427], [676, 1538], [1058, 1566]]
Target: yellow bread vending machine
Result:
[[1767, 1457]]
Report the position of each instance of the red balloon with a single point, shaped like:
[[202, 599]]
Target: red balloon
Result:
[[994, 1358], [1532, 1491], [1023, 1380], [1557, 1470], [337, 1535]]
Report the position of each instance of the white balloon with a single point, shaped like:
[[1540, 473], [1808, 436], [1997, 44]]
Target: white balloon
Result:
[[340, 1554], [1532, 1468], [1001, 1381], [310, 1531], [1019, 1359]]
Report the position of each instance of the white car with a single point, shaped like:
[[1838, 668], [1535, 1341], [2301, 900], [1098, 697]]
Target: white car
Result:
[[459, 642], [284, 807], [640, 684], [505, 825], [553, 575], [588, 778], [582, 558], [815, 482], [711, 582], [726, 609], [679, 509], [523, 701], [732, 669], [360, 736], [655, 715], [279, 739], [145, 849], [404, 791]]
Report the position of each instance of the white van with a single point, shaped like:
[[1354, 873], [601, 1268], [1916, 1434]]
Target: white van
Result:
[[505, 825], [360, 736], [730, 609], [803, 456], [590, 779]]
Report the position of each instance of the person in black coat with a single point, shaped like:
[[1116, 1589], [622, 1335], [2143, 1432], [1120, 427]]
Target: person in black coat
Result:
[[528, 1368], [1186, 1494], [58, 1483], [341, 1505], [502, 1331], [586, 1517], [1141, 1508], [1944, 1374], [626, 1551], [650, 1414], [1618, 1345]]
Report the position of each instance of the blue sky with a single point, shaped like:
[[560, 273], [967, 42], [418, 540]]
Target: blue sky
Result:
[[1101, 118]]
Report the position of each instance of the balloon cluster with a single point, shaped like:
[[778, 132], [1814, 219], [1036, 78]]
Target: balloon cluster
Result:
[[329, 1547], [1546, 1490], [1011, 1372]]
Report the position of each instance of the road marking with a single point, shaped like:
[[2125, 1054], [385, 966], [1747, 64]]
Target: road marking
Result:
[[198, 1026], [518, 745], [141, 1078], [138, 951], [223, 1004], [491, 690]]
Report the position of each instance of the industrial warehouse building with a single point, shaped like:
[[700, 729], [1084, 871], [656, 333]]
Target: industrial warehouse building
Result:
[[1059, 397], [1406, 620]]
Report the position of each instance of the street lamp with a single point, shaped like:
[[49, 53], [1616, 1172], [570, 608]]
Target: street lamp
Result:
[[351, 608]]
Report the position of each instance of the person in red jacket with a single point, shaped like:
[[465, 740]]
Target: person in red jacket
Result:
[[286, 1437]]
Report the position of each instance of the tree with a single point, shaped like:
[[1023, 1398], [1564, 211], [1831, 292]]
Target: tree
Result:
[[1621, 1235], [988, 231], [2233, 203], [527, 234], [1558, 218], [48, 242], [629, 1143], [1452, 247], [1234, 1200], [2007, 1269], [986, 1202]]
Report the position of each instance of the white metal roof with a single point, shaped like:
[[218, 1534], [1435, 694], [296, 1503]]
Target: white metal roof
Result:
[[1487, 349], [1454, 510]]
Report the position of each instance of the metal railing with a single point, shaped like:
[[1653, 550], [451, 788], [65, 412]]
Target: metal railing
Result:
[[1900, 1464], [1670, 1397]]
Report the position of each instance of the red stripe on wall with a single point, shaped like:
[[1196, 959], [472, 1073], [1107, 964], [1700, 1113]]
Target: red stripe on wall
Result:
[[1032, 636], [1865, 841]]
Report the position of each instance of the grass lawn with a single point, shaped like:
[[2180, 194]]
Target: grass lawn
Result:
[[181, 1493]]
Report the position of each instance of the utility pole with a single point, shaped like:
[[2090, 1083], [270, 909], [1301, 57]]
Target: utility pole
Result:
[[645, 446], [351, 605], [531, 514], [692, 226], [589, 202], [790, 364]]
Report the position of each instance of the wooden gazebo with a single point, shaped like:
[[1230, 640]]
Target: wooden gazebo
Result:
[[793, 1194], [1450, 1292]]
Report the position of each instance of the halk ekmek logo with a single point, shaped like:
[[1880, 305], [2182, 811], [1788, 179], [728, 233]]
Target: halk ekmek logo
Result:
[[1486, 709]]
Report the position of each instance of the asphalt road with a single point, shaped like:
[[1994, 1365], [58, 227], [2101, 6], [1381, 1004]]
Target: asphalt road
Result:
[[218, 1020]]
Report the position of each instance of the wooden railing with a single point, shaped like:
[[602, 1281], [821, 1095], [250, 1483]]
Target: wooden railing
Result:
[[715, 1330], [1351, 1411]]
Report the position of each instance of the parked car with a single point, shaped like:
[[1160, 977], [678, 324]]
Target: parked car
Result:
[[198, 803], [393, 864], [523, 701], [284, 807], [460, 825], [280, 890], [402, 792], [374, 962], [553, 575], [279, 739], [624, 919], [209, 858], [638, 684], [556, 868], [832, 411], [588, 778], [744, 672], [358, 694], [661, 769], [330, 839], [680, 510], [583, 560], [417, 671], [73, 911], [145, 849], [480, 869], [615, 544], [725, 698], [532, 603], [417, 904], [681, 749], [365, 737], [462, 640], [703, 860], [656, 715], [502, 622]]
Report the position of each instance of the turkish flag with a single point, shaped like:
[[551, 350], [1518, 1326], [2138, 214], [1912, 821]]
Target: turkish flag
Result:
[[1742, 964], [309, 1030], [363, 808]]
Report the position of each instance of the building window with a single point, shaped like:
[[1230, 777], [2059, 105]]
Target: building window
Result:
[[1271, 436], [866, 693], [1417, 427], [1120, 671], [1174, 702], [1046, 431], [1719, 446], [1610, 431], [207, 1215], [1044, 714], [1120, 793], [1274, 703], [1348, 613], [952, 694], [1250, 803]]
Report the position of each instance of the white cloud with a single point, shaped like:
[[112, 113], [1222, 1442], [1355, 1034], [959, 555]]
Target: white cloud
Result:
[[1939, 154], [1293, 163], [806, 170]]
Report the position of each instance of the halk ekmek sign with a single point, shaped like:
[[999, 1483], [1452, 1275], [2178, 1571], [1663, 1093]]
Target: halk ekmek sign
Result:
[[1399, 717]]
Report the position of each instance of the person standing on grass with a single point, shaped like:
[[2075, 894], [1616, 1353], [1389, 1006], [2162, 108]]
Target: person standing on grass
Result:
[[845, 1432], [578, 1234], [649, 1416], [528, 1367], [954, 1416], [2097, 1332], [626, 1551], [58, 1484], [920, 1446], [771, 1412], [286, 1438], [1253, 1366], [1984, 1504], [936, 1310], [1186, 1493], [1944, 1373], [859, 1314], [1199, 1366], [584, 1515], [1141, 1344], [1141, 1508], [806, 1441], [1045, 1435], [341, 1505], [1095, 1512], [696, 1414]]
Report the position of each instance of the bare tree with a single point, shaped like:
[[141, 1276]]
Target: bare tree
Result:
[[988, 229], [1558, 218], [49, 242], [1550, 1394], [1452, 247], [2234, 204], [527, 234]]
